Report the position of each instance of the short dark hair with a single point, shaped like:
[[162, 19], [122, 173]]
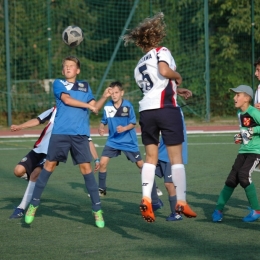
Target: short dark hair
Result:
[[257, 62], [116, 84], [72, 58]]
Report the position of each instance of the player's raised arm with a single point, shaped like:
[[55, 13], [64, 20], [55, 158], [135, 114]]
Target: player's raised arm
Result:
[[30, 123], [68, 100]]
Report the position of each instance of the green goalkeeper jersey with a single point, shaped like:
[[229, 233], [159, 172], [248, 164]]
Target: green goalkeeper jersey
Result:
[[250, 118]]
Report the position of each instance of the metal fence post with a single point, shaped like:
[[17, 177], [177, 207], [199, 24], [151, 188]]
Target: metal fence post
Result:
[[7, 56]]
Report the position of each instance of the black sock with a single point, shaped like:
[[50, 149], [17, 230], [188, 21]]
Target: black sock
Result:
[[92, 189], [102, 180], [39, 187], [173, 201], [154, 195]]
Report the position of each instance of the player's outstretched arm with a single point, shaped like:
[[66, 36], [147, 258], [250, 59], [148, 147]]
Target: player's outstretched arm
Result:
[[30, 123], [168, 73], [121, 129], [107, 93], [68, 100]]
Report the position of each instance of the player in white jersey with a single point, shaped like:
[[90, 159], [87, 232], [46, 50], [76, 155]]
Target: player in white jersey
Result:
[[31, 165], [156, 77], [257, 93]]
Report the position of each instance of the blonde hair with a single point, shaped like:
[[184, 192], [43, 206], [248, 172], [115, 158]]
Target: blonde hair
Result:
[[148, 34], [72, 58]]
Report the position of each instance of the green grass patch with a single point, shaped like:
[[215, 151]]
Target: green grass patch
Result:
[[64, 226]]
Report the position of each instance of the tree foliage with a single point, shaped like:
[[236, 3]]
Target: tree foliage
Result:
[[34, 56]]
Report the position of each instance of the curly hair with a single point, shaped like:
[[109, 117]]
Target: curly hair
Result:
[[148, 34]]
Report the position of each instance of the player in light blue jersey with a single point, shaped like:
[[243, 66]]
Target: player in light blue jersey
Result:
[[120, 117], [70, 134]]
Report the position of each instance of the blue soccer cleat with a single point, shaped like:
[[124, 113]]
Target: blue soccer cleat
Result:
[[252, 216], [174, 217], [158, 205], [18, 213], [217, 216]]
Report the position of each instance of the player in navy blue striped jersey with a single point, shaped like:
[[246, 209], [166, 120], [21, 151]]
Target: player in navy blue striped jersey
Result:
[[120, 117], [31, 164], [70, 133]]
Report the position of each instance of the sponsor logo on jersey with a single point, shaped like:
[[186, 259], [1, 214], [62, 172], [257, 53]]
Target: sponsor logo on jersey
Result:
[[125, 111], [81, 85], [82, 89], [24, 159], [246, 121]]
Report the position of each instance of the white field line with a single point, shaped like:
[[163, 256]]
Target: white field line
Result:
[[188, 132]]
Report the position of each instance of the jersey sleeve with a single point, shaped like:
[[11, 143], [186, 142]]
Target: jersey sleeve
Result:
[[132, 118], [59, 88], [90, 96], [163, 54], [46, 115]]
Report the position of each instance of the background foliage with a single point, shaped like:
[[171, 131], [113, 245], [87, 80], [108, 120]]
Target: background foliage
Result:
[[35, 60]]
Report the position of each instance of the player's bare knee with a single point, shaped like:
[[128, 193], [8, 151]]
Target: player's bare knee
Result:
[[103, 166], [19, 171], [50, 166], [140, 164]]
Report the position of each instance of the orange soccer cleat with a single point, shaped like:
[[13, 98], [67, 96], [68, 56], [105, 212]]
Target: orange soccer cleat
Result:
[[147, 210], [184, 208]]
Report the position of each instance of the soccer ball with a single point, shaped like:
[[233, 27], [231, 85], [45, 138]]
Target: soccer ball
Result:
[[72, 35]]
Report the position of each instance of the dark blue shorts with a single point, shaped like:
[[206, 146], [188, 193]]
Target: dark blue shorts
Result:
[[111, 152], [60, 145], [163, 169], [32, 160], [166, 120]]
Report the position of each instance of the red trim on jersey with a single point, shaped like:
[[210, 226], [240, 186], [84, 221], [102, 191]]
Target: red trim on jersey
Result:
[[165, 93], [157, 49], [42, 135], [162, 98]]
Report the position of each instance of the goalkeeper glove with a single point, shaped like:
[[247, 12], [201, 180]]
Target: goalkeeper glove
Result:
[[248, 134], [238, 138]]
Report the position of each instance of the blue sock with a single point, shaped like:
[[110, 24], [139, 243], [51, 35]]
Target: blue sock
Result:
[[173, 201], [154, 195], [102, 180], [39, 187], [92, 189]]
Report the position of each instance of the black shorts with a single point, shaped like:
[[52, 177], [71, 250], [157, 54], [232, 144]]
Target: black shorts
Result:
[[166, 120], [111, 153], [242, 169], [60, 145], [32, 160]]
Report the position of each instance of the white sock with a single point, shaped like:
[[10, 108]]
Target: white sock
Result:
[[25, 177], [148, 173], [27, 195], [179, 180]]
